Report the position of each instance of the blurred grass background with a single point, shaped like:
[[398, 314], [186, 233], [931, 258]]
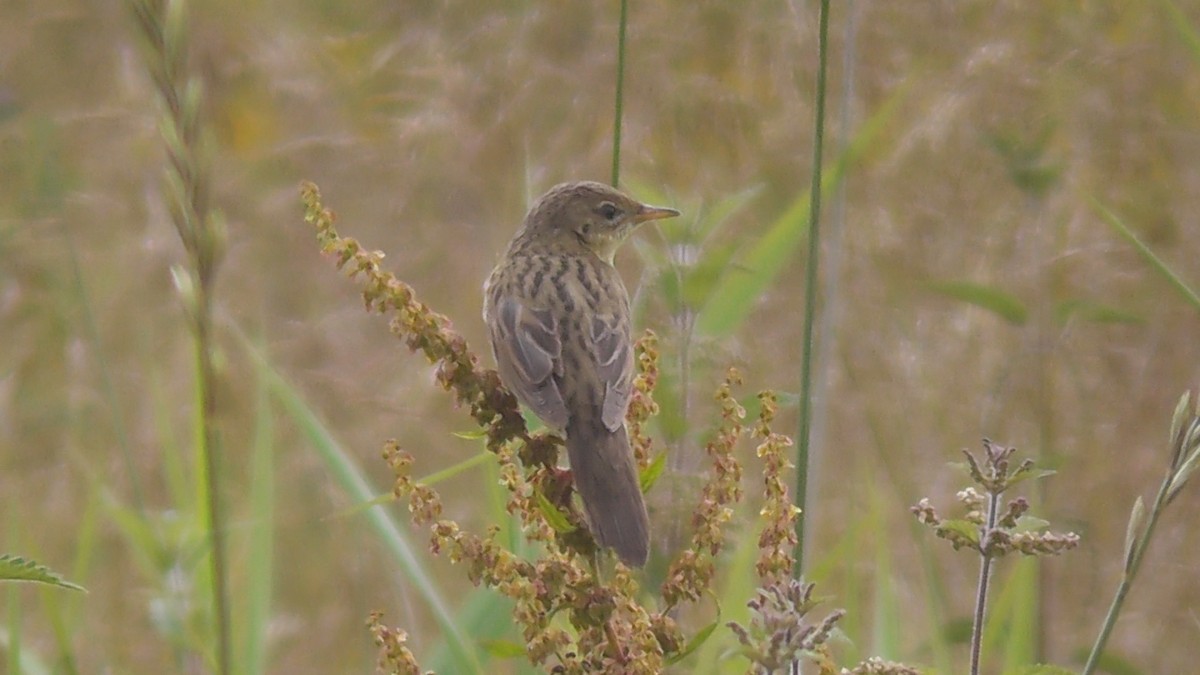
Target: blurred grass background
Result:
[[977, 293]]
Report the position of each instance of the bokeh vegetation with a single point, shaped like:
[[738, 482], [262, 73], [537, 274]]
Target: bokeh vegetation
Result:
[[975, 289]]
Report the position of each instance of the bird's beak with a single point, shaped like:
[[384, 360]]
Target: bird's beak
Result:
[[647, 212]]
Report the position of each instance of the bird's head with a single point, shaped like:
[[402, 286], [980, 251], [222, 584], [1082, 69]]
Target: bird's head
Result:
[[593, 214]]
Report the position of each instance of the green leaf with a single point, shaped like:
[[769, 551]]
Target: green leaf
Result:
[[1030, 524], [472, 435], [700, 281], [532, 422], [1179, 417], [16, 568], [650, 475], [1133, 531], [478, 459], [966, 528], [1095, 313], [504, 649], [734, 297], [554, 516], [1109, 663], [486, 616], [1025, 159], [1001, 303], [712, 220], [346, 473], [743, 283], [1155, 262], [1185, 472], [698, 639]]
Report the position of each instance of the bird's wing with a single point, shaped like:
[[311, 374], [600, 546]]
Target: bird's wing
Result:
[[610, 344], [528, 353]]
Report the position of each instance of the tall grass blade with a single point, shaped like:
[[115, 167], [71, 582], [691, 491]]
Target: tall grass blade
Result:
[[1156, 263], [1188, 32], [757, 269], [260, 567], [1001, 303], [357, 488]]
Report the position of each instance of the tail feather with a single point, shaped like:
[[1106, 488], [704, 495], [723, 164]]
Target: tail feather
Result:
[[607, 481]]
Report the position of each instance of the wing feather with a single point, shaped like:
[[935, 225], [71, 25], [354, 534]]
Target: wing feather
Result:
[[528, 353], [610, 343]]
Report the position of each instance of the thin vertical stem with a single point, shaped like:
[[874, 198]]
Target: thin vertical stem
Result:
[[985, 575], [163, 25], [810, 292], [1133, 561], [620, 96], [210, 451]]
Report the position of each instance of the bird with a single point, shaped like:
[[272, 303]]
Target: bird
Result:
[[558, 320]]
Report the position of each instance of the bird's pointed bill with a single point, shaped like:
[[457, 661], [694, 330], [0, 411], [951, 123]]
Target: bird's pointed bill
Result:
[[647, 212]]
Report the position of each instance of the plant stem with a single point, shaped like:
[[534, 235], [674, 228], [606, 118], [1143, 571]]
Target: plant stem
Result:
[[620, 96], [985, 575], [210, 450], [810, 293], [163, 25], [1133, 563]]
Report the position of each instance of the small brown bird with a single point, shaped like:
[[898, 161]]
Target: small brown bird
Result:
[[558, 317]]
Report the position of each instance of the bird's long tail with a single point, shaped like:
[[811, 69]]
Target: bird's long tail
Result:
[[607, 480]]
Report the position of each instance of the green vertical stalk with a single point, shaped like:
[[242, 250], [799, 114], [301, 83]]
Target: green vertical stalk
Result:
[[210, 452], [985, 576], [810, 292], [620, 95], [164, 25], [1133, 561]]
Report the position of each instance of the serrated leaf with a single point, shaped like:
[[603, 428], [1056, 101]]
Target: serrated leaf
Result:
[[694, 644], [16, 568], [648, 476], [1133, 530], [554, 515], [1001, 303], [503, 649]]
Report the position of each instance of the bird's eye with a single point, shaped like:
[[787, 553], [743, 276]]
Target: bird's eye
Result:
[[608, 210]]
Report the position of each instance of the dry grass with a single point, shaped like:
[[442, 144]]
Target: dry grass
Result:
[[430, 126]]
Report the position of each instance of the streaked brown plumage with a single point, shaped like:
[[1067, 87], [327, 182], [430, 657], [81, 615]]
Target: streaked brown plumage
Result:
[[558, 318]]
